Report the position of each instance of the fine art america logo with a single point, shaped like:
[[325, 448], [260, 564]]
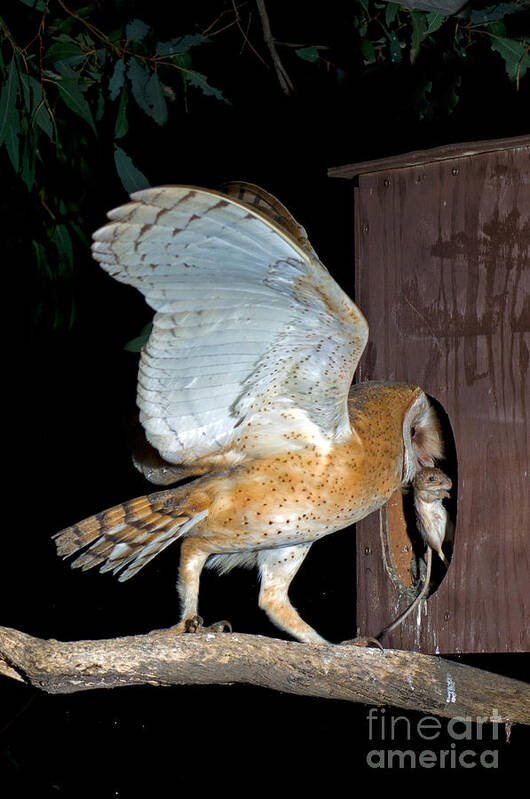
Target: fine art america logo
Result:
[[432, 743]]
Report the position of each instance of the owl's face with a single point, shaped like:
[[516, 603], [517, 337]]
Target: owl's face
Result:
[[422, 439], [397, 426]]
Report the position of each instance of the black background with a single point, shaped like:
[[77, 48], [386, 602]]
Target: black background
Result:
[[69, 398]]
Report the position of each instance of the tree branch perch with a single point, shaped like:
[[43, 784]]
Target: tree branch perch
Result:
[[403, 679]]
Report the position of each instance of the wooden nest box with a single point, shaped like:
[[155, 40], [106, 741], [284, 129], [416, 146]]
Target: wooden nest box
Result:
[[442, 273]]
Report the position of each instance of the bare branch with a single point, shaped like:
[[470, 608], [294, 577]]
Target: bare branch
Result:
[[403, 679], [244, 34], [283, 77]]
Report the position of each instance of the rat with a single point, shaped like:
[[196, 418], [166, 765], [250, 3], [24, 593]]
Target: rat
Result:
[[431, 485]]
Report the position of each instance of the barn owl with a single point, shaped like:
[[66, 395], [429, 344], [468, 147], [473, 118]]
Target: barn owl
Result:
[[245, 383]]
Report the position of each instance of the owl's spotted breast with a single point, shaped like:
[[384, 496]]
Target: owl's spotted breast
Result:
[[299, 496]]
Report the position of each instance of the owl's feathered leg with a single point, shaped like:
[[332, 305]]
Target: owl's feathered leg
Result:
[[277, 568], [193, 556]]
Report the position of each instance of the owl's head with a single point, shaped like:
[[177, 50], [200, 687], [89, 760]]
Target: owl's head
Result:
[[422, 437], [396, 418]]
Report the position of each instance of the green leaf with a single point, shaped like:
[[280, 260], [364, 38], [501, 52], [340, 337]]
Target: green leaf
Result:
[[8, 97], [117, 79], [497, 28], [38, 5], [156, 101], [307, 53], [29, 149], [391, 13], [9, 115], [44, 120], [147, 91], [115, 35], [136, 344], [100, 107], [181, 44], [136, 30], [65, 251], [201, 82], [419, 30], [182, 60], [434, 21], [40, 114], [26, 91], [368, 51], [43, 266], [516, 59], [122, 126], [131, 177], [395, 47], [80, 234], [494, 12], [139, 75], [69, 51], [72, 95], [459, 43]]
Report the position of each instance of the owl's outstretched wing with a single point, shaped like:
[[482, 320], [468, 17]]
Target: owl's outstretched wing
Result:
[[253, 345]]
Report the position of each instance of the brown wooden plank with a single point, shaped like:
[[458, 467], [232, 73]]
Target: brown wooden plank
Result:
[[419, 157], [443, 276]]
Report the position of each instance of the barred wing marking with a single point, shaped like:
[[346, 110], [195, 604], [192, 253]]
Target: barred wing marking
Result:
[[273, 209], [250, 330]]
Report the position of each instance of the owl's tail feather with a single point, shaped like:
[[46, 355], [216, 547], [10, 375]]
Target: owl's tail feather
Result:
[[125, 538]]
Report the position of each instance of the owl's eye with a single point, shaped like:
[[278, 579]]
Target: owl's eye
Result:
[[413, 432], [432, 478]]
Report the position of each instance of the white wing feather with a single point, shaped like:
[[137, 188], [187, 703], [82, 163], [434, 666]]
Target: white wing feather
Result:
[[253, 342]]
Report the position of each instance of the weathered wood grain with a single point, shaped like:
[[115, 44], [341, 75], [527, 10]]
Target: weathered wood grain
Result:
[[420, 157]]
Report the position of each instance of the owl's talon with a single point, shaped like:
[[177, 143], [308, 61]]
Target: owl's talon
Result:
[[363, 640], [223, 626], [196, 625], [193, 625]]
